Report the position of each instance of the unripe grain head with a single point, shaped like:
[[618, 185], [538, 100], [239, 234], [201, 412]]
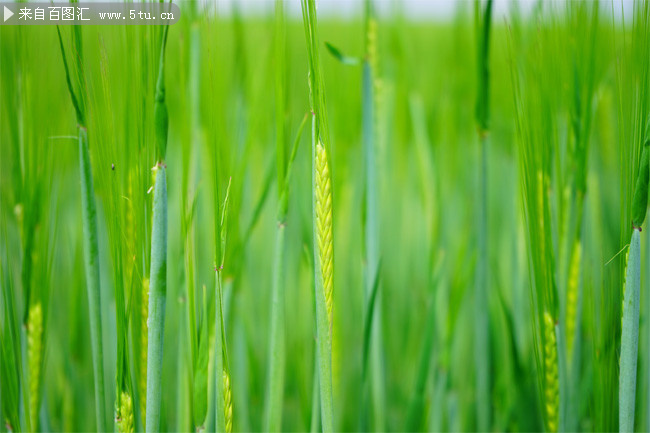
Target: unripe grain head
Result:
[[551, 378], [34, 357], [125, 414], [227, 397], [324, 225]]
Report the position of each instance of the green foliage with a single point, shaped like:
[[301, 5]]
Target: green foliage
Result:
[[338, 55], [482, 359], [89, 223], [322, 217], [158, 272], [483, 17], [567, 120]]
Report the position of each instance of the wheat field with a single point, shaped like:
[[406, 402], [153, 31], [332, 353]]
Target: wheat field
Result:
[[293, 220]]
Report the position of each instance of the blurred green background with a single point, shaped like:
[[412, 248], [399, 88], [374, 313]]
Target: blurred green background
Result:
[[221, 107]]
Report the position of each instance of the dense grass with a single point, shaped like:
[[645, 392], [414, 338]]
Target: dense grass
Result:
[[569, 99]]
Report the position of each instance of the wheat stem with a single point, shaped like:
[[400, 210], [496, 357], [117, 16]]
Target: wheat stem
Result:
[[89, 224], [372, 380], [144, 344], [91, 255], [158, 271], [277, 358], [273, 418], [630, 335], [218, 364], [157, 298], [481, 304]]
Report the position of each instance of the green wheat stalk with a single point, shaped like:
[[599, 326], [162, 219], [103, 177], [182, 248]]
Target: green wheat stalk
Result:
[[273, 417], [273, 410], [196, 368], [277, 358], [584, 19], [482, 318], [634, 79], [631, 299], [89, 223], [221, 385], [322, 215], [144, 344], [537, 141], [158, 272], [372, 380]]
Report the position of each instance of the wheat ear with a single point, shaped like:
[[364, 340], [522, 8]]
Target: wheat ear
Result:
[[551, 379], [125, 414], [34, 357], [324, 225]]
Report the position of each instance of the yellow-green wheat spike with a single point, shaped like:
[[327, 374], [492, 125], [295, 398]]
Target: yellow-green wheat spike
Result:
[[572, 296], [125, 414], [34, 357], [144, 341], [551, 381], [227, 397], [324, 224]]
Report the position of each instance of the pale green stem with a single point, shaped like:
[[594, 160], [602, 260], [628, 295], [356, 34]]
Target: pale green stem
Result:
[[481, 298], [481, 307], [91, 259], [376, 386], [315, 398], [630, 336], [157, 297], [273, 416], [184, 379], [217, 378]]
